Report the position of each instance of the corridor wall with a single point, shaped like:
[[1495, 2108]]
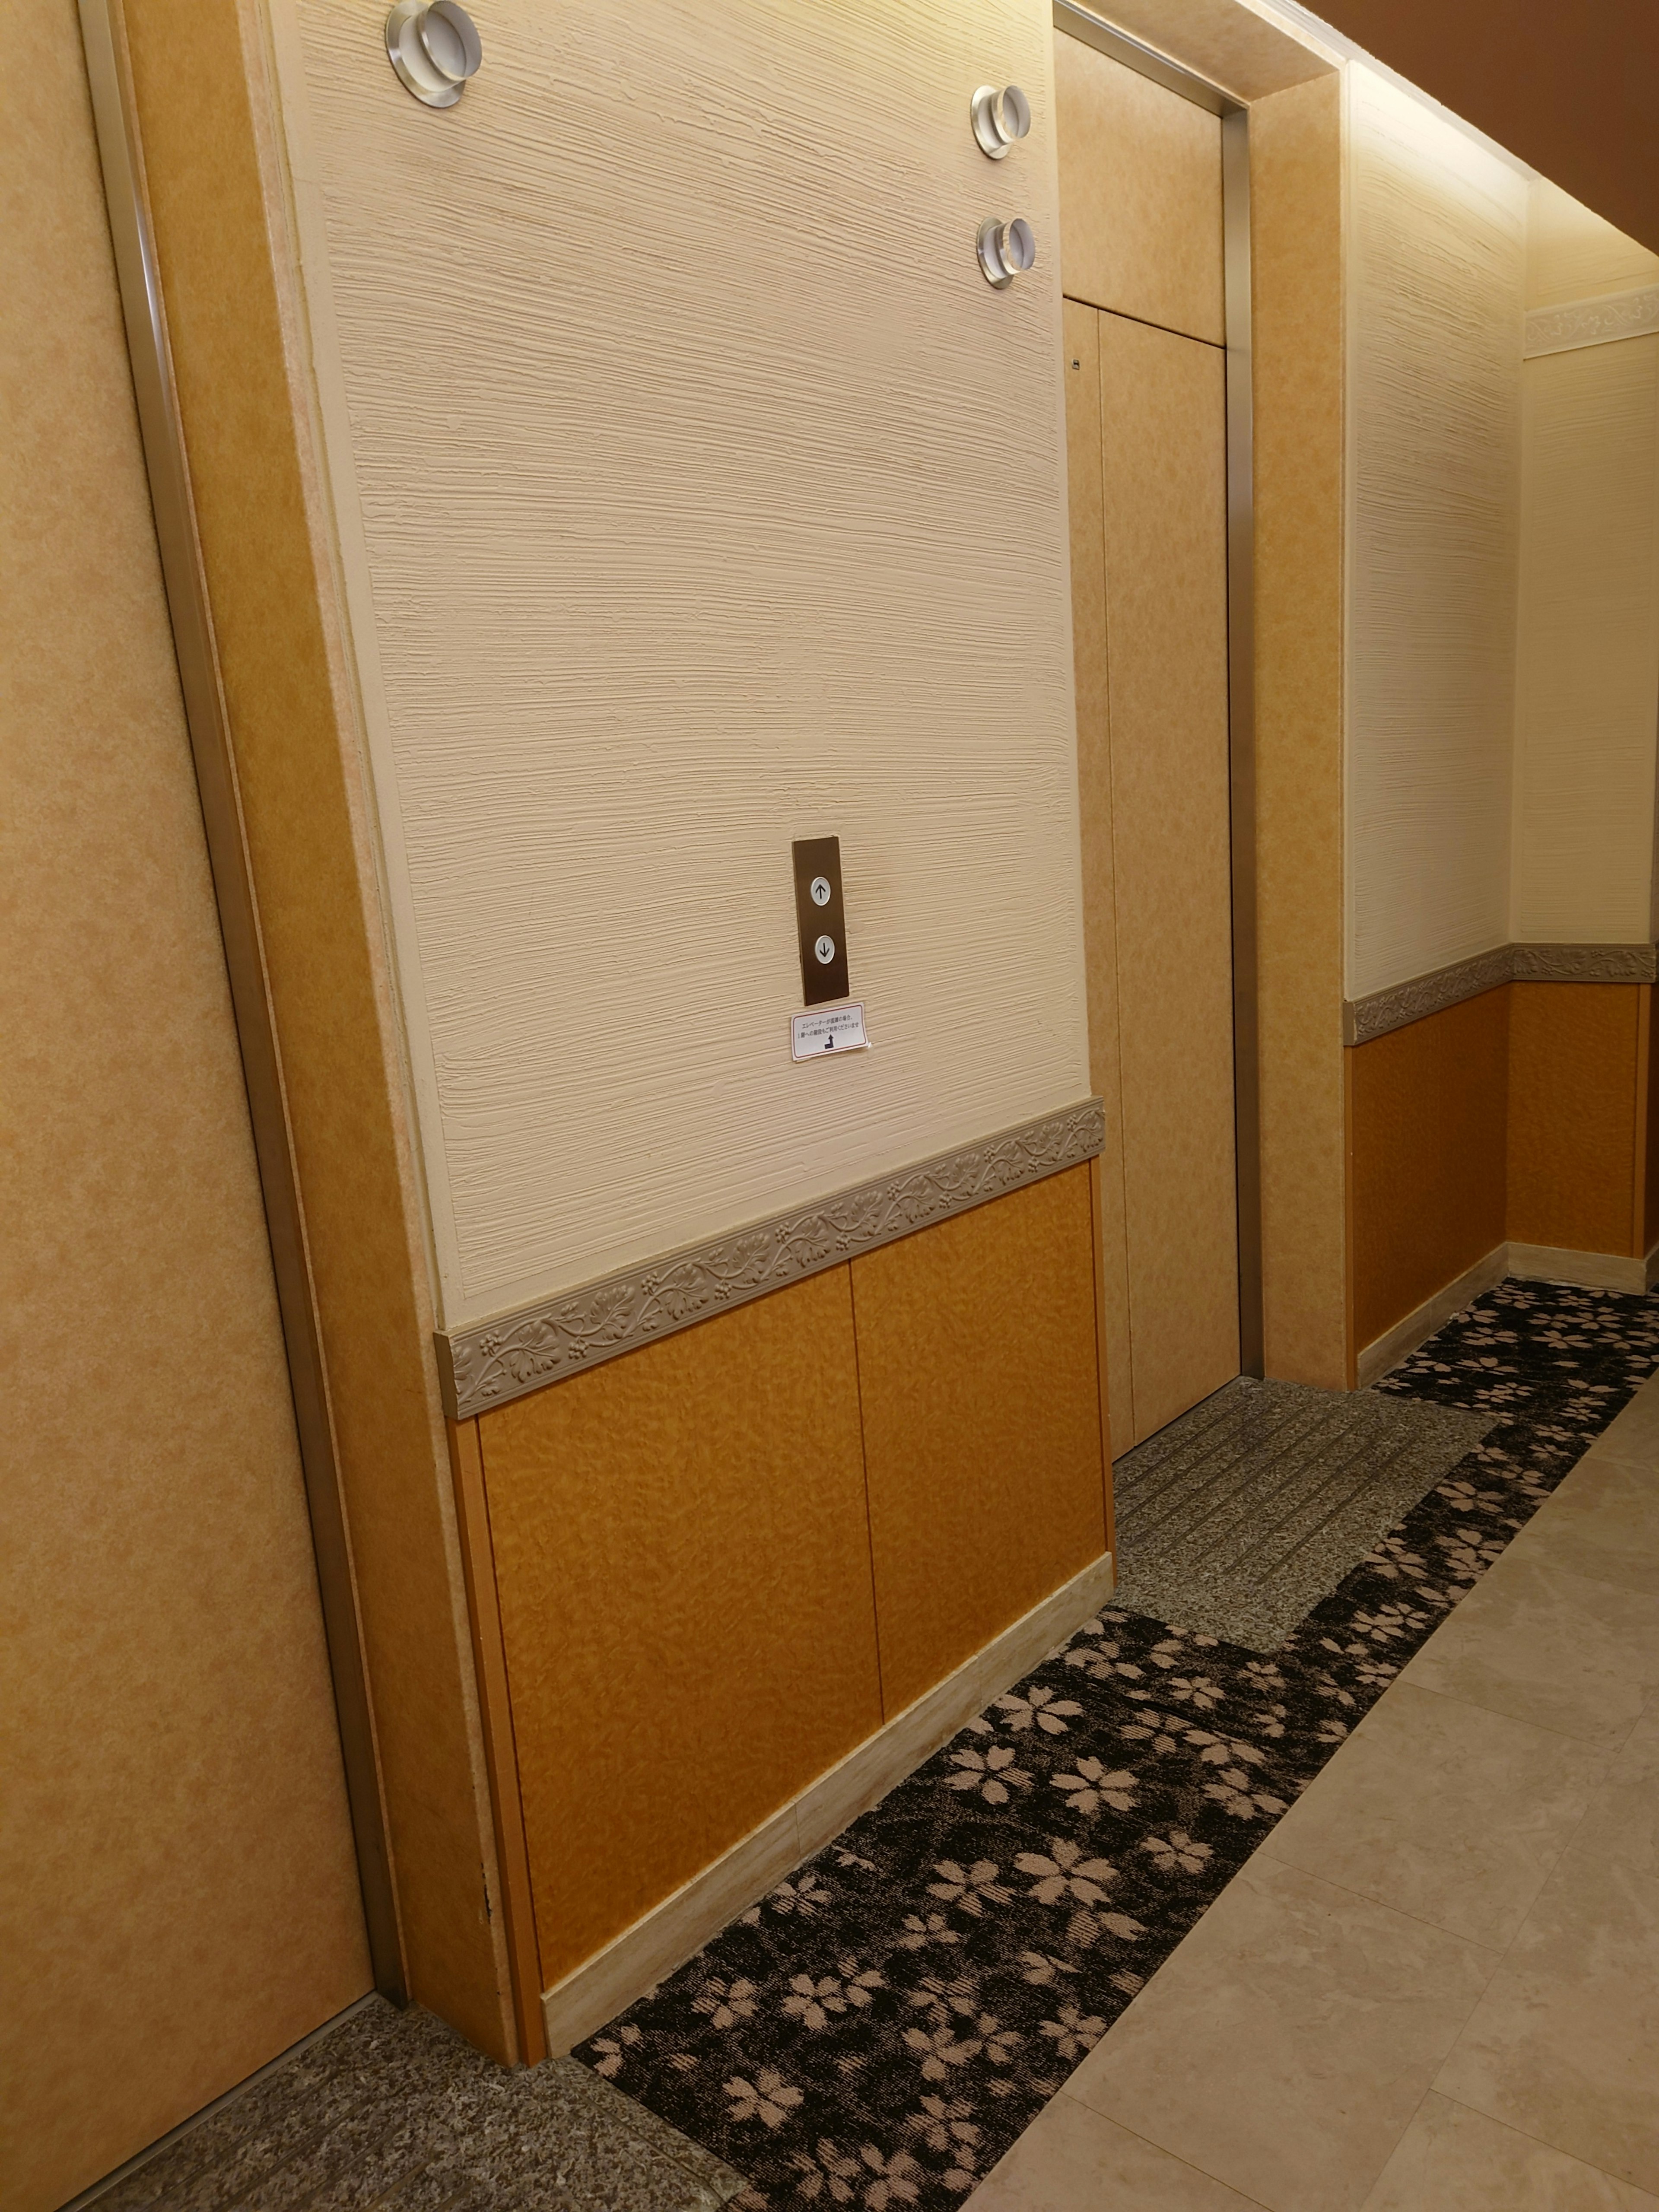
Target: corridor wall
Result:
[[1502, 838], [716, 512], [578, 584], [1436, 276]]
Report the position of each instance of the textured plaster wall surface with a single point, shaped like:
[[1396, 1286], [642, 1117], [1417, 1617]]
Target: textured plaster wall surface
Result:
[[698, 494], [178, 1895], [1436, 276]]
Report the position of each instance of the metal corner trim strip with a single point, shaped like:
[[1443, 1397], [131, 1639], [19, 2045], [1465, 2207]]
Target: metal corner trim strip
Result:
[[1399, 1005], [498, 1361]]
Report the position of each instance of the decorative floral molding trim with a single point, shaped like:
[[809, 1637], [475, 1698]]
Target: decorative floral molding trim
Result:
[[1585, 963], [517, 1353], [1592, 322], [1379, 1012]]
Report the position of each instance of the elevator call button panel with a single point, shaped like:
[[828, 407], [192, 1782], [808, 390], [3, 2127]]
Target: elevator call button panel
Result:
[[820, 920]]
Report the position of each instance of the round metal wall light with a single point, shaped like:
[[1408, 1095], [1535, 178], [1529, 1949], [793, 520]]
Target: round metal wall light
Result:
[[1007, 250], [999, 118], [433, 46]]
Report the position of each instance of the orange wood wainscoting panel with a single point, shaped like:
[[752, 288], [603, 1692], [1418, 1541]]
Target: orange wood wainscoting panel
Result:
[[1428, 1104], [979, 1367], [683, 1557], [1574, 1059], [680, 1633], [1524, 1116]]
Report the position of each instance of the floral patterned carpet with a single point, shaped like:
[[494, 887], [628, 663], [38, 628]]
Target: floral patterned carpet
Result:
[[877, 2030]]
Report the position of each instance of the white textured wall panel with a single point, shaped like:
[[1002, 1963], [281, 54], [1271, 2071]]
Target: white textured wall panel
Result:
[[697, 494], [1588, 707], [1436, 247]]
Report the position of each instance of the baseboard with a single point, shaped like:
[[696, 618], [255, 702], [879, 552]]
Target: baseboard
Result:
[[1528, 1263], [1395, 1344], [672, 1932], [1590, 1271]]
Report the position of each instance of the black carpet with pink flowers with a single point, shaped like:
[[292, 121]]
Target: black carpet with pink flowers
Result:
[[877, 2031]]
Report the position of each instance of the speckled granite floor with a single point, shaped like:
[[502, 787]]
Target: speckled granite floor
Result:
[[392, 2109], [1241, 1514]]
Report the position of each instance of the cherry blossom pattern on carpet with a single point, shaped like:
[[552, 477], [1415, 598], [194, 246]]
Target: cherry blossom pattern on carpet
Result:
[[877, 2030]]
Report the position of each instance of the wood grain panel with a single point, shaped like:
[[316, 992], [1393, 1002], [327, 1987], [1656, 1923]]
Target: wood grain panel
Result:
[[1296, 233], [1140, 194], [217, 197], [1094, 777], [179, 1899], [1428, 1106], [1573, 1054], [650, 572], [1164, 477], [683, 1564], [1650, 1135], [979, 1373]]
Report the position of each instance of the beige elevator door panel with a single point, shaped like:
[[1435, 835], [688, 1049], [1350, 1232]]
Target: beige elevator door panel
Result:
[[1140, 235], [179, 1897], [1140, 194], [1164, 505]]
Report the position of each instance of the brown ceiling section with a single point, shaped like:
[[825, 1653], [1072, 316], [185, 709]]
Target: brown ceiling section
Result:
[[1563, 87]]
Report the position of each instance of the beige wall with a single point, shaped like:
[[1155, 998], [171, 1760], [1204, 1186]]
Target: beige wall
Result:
[[1437, 242], [1573, 255], [178, 1895], [1587, 707], [1587, 704], [697, 494]]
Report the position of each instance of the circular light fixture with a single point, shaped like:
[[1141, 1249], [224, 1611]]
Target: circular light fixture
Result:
[[434, 45], [1007, 250], [999, 118]]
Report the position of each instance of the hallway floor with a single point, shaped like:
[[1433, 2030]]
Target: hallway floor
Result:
[[1436, 1984], [1367, 1923], [1168, 1858]]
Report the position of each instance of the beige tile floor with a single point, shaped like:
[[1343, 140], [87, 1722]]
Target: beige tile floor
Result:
[[1435, 1986]]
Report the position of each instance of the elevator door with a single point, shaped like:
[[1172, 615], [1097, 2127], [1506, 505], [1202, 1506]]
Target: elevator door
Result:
[[179, 1894], [1144, 368]]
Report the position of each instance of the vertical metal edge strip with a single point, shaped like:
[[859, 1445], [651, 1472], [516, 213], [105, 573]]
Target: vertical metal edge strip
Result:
[[1241, 717], [167, 467]]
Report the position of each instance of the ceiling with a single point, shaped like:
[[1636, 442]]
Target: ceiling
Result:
[[1569, 89]]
